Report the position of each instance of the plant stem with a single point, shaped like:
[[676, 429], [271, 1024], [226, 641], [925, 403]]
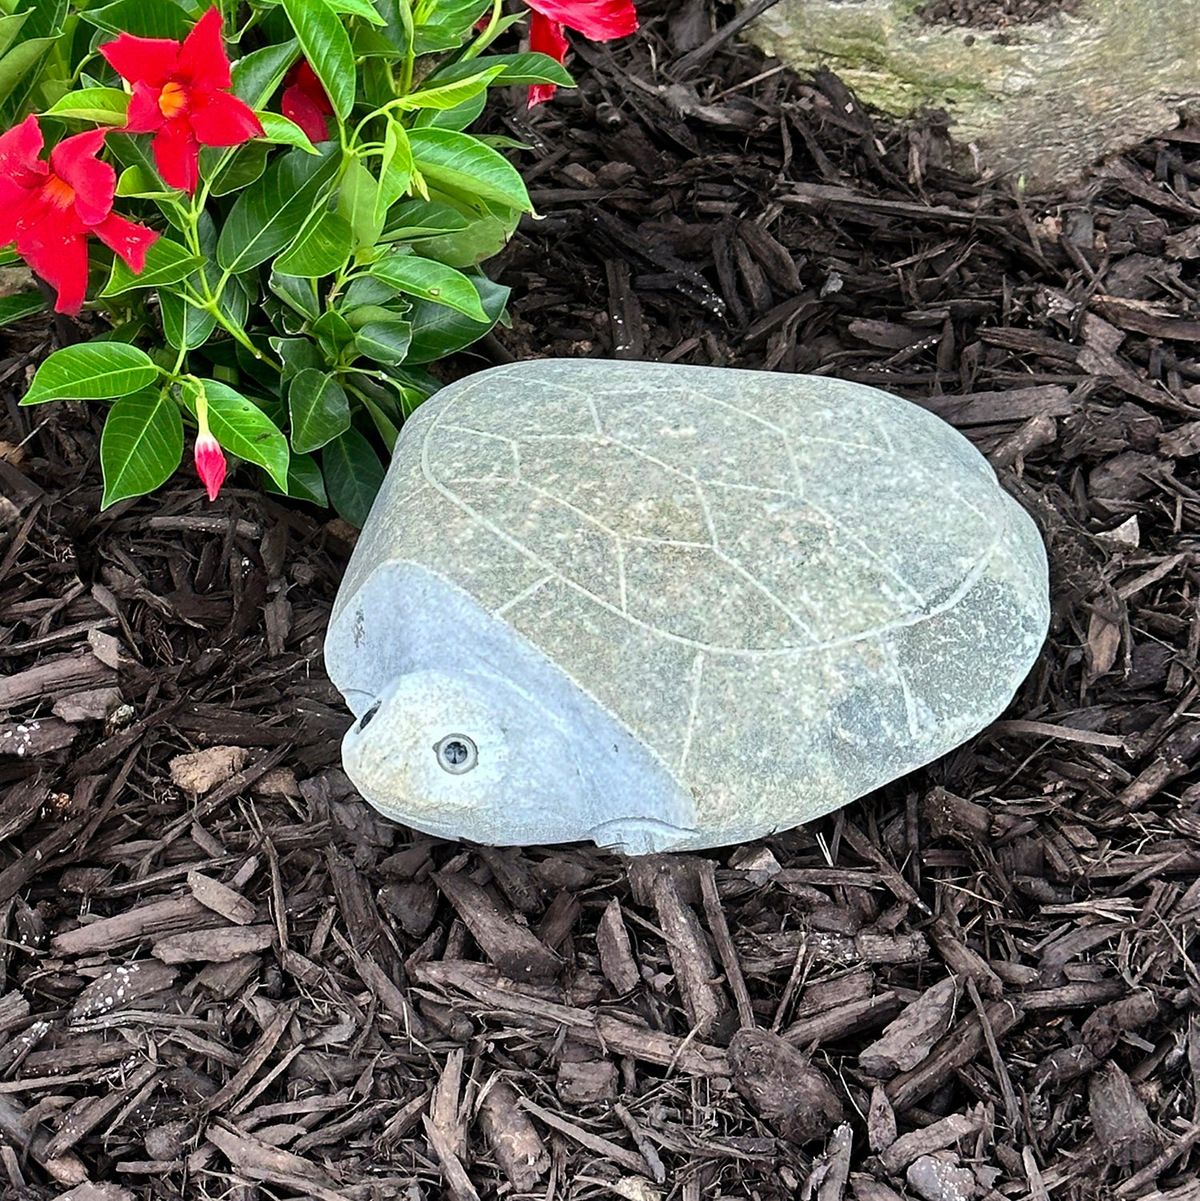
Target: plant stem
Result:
[[484, 40]]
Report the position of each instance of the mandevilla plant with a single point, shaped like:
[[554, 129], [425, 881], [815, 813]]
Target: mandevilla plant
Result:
[[278, 281]]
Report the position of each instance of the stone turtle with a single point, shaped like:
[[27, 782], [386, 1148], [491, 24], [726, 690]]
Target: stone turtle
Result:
[[666, 607]]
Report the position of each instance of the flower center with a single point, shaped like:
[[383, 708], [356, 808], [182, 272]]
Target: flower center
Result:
[[58, 192], [173, 99]]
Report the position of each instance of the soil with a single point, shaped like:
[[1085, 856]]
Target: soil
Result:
[[993, 14], [222, 975]]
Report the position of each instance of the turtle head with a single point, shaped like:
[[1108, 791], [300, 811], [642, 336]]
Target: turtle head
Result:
[[465, 756]]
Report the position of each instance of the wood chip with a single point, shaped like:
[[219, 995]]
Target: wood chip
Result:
[[694, 970], [1123, 1127], [934, 1137], [220, 898], [221, 945], [616, 955], [783, 1086], [513, 948], [512, 1137], [908, 1040]]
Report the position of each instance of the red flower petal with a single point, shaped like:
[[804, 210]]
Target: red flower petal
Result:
[[57, 251], [175, 154], [307, 79], [599, 20], [142, 60], [545, 37], [299, 106], [74, 161], [19, 150], [221, 119], [127, 238], [210, 464], [14, 201], [144, 114], [202, 58]]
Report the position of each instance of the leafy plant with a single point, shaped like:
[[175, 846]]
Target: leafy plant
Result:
[[306, 223]]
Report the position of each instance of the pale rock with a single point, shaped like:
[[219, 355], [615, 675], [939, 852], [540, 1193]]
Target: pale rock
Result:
[[665, 607]]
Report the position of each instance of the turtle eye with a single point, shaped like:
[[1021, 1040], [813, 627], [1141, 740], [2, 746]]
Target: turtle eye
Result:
[[456, 753], [364, 721]]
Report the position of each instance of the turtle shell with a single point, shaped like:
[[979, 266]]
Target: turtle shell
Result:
[[790, 588]]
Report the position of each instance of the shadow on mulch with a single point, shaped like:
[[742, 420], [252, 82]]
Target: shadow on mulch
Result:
[[224, 976]]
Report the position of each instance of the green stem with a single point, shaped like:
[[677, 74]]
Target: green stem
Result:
[[484, 40]]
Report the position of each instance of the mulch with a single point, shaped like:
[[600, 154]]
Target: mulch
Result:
[[221, 975]]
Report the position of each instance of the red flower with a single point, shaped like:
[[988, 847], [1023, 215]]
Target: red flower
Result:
[[210, 463], [181, 95], [305, 102], [597, 20], [49, 209]]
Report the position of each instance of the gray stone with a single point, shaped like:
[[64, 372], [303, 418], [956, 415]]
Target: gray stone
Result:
[[668, 607], [1043, 99]]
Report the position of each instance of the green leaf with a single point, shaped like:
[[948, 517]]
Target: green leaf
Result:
[[141, 446], [455, 16], [398, 25], [184, 325], [353, 475], [423, 219], [323, 247], [384, 341], [333, 333], [19, 65], [144, 18], [137, 181], [243, 429], [459, 163], [10, 27], [136, 152], [23, 304], [514, 68], [387, 430], [356, 204], [439, 331], [449, 95], [296, 354], [358, 316], [431, 281], [366, 291], [304, 480], [485, 236], [91, 371], [373, 49], [234, 301], [297, 292], [395, 170], [326, 45], [268, 216], [21, 71], [282, 132], [166, 263], [457, 118], [242, 166], [105, 106], [257, 77], [319, 409], [357, 8]]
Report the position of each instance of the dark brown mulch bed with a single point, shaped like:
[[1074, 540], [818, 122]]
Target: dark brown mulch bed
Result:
[[223, 976]]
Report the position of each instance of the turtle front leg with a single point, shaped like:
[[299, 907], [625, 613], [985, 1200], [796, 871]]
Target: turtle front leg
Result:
[[640, 836]]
